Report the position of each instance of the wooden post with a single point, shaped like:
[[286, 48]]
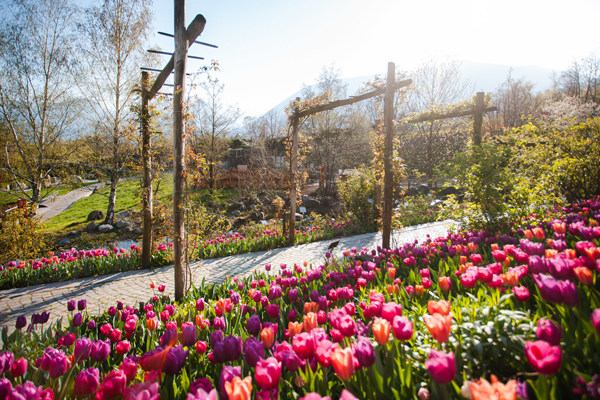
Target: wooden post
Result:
[[180, 60], [293, 168], [478, 118], [377, 172], [147, 185], [388, 194]]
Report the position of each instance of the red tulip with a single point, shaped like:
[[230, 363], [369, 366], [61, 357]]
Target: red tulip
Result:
[[19, 367], [123, 347], [543, 357]]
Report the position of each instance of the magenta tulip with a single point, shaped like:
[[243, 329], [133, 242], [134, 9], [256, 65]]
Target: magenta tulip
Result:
[[86, 382], [441, 366], [543, 357], [402, 328], [595, 318], [549, 332], [268, 373]]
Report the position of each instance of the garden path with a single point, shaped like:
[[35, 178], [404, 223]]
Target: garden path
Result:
[[132, 287]]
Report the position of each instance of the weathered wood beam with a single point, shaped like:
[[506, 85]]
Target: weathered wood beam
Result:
[[193, 31], [351, 100], [388, 177], [195, 41], [437, 117], [147, 185]]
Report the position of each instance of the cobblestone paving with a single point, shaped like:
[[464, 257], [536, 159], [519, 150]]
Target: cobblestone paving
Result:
[[132, 287]]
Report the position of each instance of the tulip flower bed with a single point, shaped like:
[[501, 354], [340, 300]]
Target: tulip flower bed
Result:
[[75, 264], [473, 315]]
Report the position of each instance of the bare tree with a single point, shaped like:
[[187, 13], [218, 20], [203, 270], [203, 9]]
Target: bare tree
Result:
[[36, 97], [116, 33], [213, 123], [516, 103], [582, 79], [437, 84]]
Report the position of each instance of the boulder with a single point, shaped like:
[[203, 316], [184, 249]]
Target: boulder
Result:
[[127, 229], [64, 242], [311, 203], [237, 205], [74, 234], [105, 228], [422, 188], [236, 213], [95, 215], [91, 227], [124, 214], [448, 191], [299, 217], [121, 224]]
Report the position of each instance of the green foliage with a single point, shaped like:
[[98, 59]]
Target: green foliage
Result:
[[563, 160], [356, 192], [20, 235], [414, 211]]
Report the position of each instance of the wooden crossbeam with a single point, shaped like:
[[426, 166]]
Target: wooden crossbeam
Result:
[[170, 54], [351, 100], [437, 117], [195, 41], [193, 31]]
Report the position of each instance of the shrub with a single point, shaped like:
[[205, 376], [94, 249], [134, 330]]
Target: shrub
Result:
[[20, 234], [356, 192]]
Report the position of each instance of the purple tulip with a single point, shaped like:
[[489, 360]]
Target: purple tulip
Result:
[[86, 382], [200, 305], [569, 292], [44, 317], [175, 360], [364, 352], [71, 305], [537, 265], [81, 304], [227, 375], [253, 325], [273, 311], [232, 345], [275, 292], [215, 337], [219, 324], [77, 320], [91, 325], [5, 388], [253, 351], [550, 289], [201, 383], [100, 350], [441, 366], [83, 349], [55, 362], [188, 335], [21, 322], [112, 311], [119, 305]]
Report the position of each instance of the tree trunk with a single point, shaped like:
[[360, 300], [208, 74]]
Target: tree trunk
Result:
[[112, 198], [35, 192]]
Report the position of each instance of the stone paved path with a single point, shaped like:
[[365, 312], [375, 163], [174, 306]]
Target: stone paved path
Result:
[[132, 287]]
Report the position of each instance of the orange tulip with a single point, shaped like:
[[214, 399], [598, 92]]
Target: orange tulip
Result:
[[539, 233], [445, 283], [381, 331], [239, 389], [201, 321], [392, 273], [482, 390], [462, 268], [152, 323], [343, 362], [551, 253], [305, 263], [549, 242], [310, 321], [463, 259], [560, 228], [510, 278], [221, 304], [419, 290], [507, 262], [439, 326], [152, 285], [528, 234], [458, 248], [441, 307], [267, 336], [572, 253], [584, 275], [311, 307], [592, 252], [472, 247], [393, 289], [294, 328], [495, 246]]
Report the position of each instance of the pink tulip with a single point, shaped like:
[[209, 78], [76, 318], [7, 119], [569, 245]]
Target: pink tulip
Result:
[[391, 310], [86, 382], [268, 373], [595, 318], [402, 328], [543, 357], [549, 332], [441, 366], [521, 293]]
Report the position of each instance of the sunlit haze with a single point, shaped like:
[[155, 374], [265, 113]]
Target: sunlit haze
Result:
[[268, 49]]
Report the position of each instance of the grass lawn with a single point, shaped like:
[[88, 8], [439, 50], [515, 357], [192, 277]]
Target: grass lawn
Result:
[[128, 197]]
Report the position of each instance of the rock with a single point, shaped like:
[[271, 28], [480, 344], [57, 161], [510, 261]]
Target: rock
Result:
[[299, 217], [417, 190], [237, 205], [436, 202], [257, 216], [448, 191], [254, 200], [236, 213], [121, 224], [105, 228], [95, 215], [124, 214], [64, 242], [91, 227], [74, 234], [311, 203], [127, 229], [424, 189]]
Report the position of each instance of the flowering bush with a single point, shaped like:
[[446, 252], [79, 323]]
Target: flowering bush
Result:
[[474, 315]]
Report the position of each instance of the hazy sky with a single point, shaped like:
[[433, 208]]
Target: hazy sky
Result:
[[268, 48]]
